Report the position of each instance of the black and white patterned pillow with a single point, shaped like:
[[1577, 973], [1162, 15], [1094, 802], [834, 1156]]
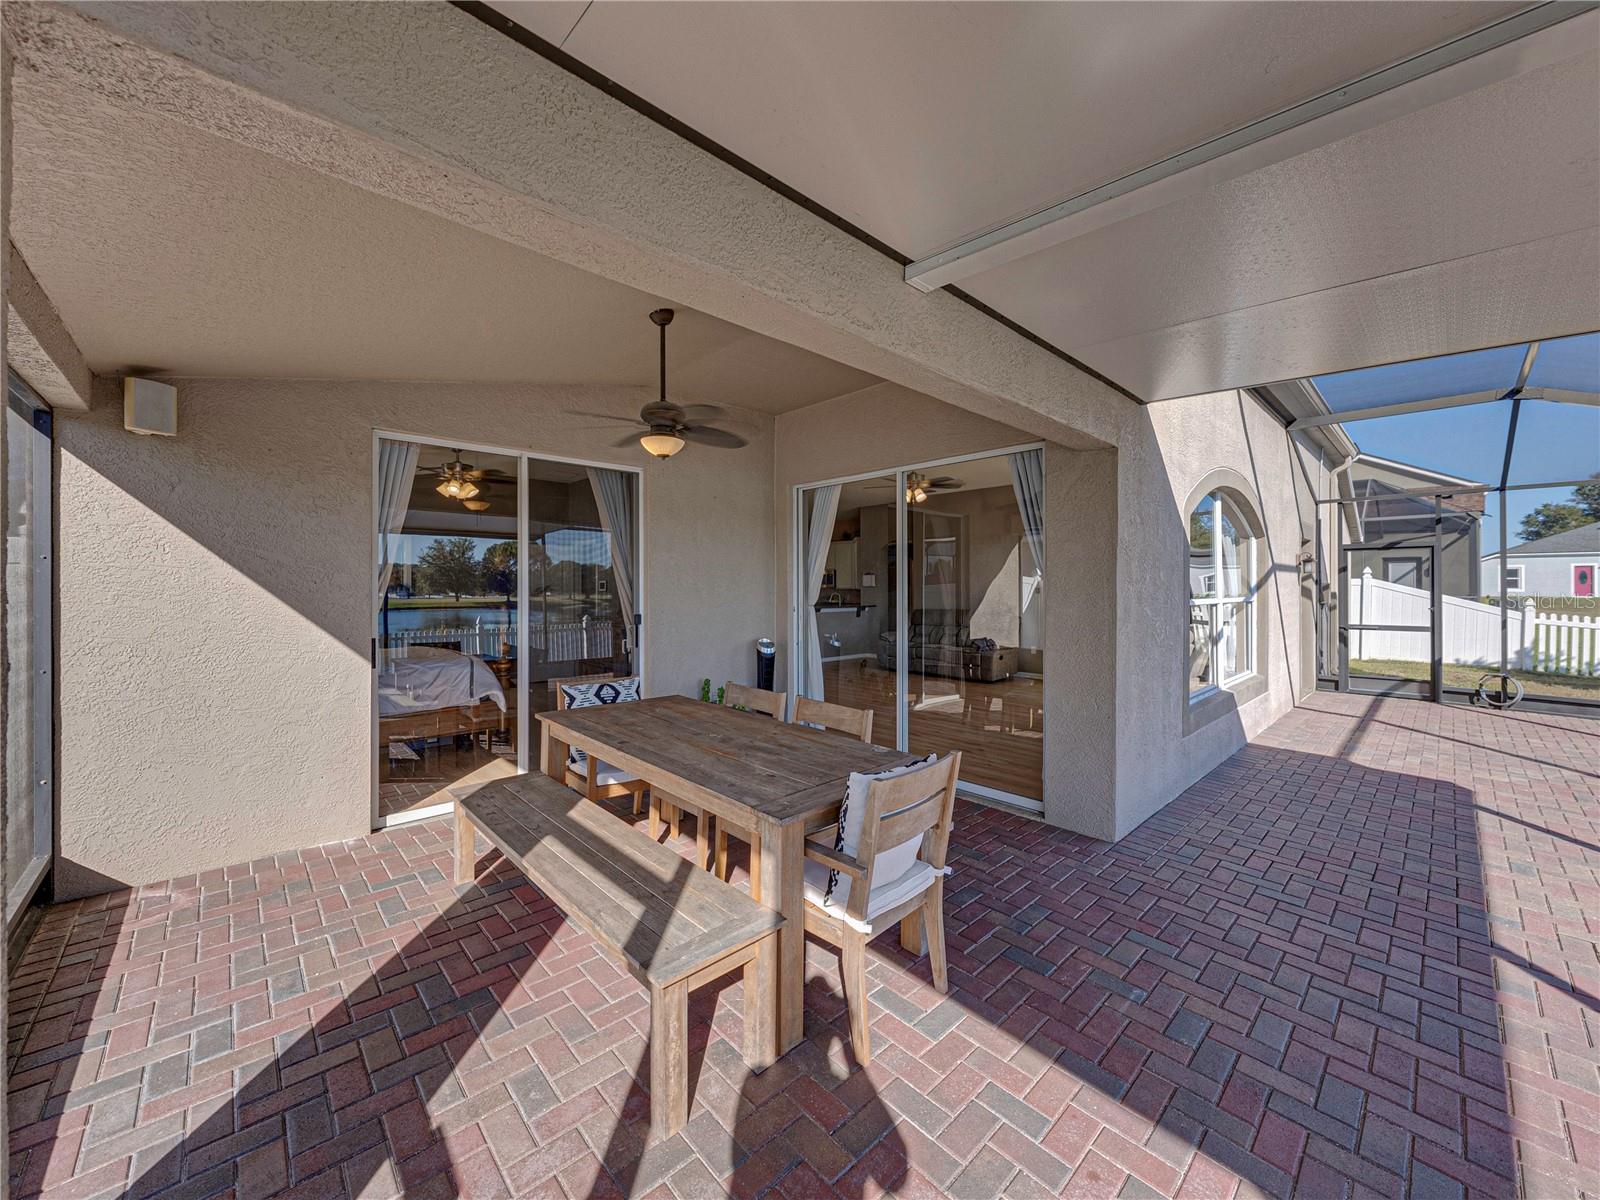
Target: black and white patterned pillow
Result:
[[592, 695]]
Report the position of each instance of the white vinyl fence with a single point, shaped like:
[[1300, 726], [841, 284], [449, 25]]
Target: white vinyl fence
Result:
[[565, 641], [1558, 643]]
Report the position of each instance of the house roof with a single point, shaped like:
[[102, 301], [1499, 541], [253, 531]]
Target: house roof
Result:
[[1585, 539]]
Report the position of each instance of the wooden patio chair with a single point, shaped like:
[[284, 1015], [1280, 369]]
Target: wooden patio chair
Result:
[[756, 700], [857, 722], [895, 875], [595, 779]]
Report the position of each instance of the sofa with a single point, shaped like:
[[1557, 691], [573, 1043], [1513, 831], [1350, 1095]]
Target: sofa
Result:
[[939, 642]]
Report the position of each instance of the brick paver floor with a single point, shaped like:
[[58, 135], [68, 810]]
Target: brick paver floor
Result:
[[1356, 960]]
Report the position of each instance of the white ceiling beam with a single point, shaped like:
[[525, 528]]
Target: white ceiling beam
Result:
[[1513, 46]]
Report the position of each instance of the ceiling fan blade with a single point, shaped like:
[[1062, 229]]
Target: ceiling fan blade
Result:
[[606, 417], [631, 440], [706, 436]]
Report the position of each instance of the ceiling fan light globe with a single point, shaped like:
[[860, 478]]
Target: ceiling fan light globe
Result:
[[475, 505], [468, 489], [662, 445]]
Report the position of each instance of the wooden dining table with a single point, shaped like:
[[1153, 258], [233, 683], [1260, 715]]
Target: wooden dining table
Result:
[[783, 781]]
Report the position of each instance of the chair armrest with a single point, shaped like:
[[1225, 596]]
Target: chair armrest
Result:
[[834, 860]]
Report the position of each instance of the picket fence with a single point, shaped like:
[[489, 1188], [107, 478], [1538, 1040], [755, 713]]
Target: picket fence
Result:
[[559, 641], [1556, 643]]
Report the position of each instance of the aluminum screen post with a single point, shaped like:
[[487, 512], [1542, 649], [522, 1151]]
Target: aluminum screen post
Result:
[[1436, 599]]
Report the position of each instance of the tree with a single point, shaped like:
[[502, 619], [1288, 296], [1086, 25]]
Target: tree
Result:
[[500, 569], [449, 566], [1588, 496], [1550, 519]]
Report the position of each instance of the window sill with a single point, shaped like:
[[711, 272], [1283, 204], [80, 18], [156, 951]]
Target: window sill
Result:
[[1217, 702]]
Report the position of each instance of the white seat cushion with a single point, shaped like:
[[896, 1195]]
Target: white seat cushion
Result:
[[884, 895], [605, 774]]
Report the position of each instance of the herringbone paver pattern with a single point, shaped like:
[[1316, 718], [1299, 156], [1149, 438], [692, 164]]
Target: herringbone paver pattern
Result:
[[1357, 960]]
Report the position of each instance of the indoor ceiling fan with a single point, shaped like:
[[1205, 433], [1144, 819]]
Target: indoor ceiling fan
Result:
[[667, 425], [461, 481], [919, 486]]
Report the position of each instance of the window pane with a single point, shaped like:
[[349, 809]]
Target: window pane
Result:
[[1233, 641], [1202, 555], [1201, 639], [1232, 545]]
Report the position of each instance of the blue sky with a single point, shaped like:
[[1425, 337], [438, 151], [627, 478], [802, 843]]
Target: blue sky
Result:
[[1554, 441]]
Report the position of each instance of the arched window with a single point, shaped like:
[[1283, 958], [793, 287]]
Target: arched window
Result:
[[1222, 575]]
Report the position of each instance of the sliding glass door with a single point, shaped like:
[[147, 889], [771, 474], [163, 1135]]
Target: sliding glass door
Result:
[[495, 573], [921, 596], [30, 674], [848, 647]]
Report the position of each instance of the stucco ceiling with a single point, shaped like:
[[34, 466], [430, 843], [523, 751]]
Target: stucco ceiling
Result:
[[173, 252], [1465, 213]]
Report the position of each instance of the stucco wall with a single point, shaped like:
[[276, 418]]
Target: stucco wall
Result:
[[215, 700], [1188, 440]]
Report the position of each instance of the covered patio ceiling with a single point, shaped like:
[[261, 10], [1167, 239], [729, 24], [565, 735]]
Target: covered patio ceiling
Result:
[[172, 252], [1182, 197]]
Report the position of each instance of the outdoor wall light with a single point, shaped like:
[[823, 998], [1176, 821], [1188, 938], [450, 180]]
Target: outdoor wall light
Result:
[[662, 445]]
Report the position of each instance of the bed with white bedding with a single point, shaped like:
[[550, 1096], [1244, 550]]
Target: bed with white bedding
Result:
[[428, 678]]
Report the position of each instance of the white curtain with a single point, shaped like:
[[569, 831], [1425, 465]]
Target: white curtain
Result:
[[613, 493], [397, 464], [1027, 482], [824, 508]]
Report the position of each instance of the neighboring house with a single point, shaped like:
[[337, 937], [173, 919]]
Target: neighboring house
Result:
[[1385, 513], [1562, 564]]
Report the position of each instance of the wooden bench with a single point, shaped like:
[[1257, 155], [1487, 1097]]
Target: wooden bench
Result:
[[672, 926]]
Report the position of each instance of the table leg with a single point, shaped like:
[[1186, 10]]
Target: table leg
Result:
[[782, 853], [552, 754]]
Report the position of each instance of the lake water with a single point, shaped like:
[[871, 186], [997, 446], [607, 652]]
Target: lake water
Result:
[[451, 618]]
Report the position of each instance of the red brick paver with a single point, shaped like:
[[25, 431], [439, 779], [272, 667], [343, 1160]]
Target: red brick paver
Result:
[[1359, 959]]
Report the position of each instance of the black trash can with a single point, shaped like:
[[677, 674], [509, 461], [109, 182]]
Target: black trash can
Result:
[[766, 657]]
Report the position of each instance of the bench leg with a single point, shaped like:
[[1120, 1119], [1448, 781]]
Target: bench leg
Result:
[[669, 1061], [466, 848], [761, 1006], [721, 865]]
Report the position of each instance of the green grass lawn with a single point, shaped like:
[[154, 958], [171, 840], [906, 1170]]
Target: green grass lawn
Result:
[[1534, 683]]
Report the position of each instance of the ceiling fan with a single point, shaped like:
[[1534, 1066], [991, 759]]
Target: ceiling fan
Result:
[[919, 486], [667, 425], [458, 480]]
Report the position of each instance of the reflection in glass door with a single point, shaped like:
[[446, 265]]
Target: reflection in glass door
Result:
[[848, 647], [29, 750], [495, 573], [446, 604], [927, 586]]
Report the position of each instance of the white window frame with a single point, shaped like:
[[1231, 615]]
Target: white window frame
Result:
[[1245, 603], [1516, 568]]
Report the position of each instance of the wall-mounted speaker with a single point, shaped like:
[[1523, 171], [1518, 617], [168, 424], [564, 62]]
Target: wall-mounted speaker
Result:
[[149, 407]]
